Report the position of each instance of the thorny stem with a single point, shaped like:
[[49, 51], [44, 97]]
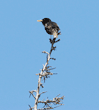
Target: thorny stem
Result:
[[44, 67]]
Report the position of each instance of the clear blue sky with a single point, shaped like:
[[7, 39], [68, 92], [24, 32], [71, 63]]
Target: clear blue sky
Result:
[[22, 39]]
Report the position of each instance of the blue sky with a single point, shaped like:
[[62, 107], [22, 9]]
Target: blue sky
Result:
[[22, 40]]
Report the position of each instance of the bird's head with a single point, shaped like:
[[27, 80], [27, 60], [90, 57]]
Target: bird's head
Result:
[[44, 21]]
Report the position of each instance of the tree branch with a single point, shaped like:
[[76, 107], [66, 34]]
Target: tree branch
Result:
[[45, 73], [52, 41]]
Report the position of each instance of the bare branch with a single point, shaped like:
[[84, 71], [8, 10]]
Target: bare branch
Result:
[[31, 107], [55, 101], [53, 58], [41, 85], [31, 92], [45, 73], [43, 92], [57, 41], [45, 52]]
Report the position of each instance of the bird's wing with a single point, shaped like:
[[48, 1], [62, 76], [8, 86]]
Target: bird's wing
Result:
[[54, 25]]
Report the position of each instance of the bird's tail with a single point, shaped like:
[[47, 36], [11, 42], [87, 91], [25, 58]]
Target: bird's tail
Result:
[[59, 33]]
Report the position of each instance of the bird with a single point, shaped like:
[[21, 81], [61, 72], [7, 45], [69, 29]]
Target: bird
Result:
[[51, 27]]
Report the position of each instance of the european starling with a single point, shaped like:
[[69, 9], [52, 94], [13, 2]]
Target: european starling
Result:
[[51, 27]]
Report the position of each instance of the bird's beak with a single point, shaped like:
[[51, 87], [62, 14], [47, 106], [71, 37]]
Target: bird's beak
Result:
[[39, 20]]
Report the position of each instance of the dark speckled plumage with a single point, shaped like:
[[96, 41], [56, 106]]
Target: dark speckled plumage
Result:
[[51, 27]]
